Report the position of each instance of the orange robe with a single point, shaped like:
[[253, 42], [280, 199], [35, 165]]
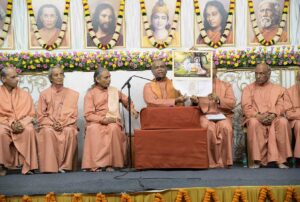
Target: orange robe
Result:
[[160, 93], [56, 150], [219, 133], [17, 149], [104, 145], [215, 37], [270, 33], [266, 143], [293, 114]]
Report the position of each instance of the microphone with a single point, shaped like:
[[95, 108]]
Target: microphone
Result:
[[128, 80]]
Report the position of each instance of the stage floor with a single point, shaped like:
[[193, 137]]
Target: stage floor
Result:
[[138, 181]]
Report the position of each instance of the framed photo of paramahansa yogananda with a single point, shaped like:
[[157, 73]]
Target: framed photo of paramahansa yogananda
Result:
[[6, 26], [268, 21], [192, 71], [216, 23], [106, 23], [49, 19]]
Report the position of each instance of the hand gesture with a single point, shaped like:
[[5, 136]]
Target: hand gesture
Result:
[[194, 99], [214, 97], [134, 113], [17, 127], [108, 120], [57, 126]]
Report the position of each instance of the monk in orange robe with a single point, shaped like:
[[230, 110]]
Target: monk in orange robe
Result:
[[219, 132], [292, 103], [57, 116], [160, 92], [17, 134], [268, 131], [105, 141]]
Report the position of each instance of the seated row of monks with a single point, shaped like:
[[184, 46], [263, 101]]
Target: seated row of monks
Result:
[[49, 143]]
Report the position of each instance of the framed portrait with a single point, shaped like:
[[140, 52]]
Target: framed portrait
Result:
[[192, 72], [8, 42], [104, 15], [160, 15], [49, 17], [214, 15], [268, 16]]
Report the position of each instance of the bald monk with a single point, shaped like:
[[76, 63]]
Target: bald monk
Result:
[[160, 92], [219, 132], [292, 104], [57, 116], [17, 135], [268, 131], [105, 141]]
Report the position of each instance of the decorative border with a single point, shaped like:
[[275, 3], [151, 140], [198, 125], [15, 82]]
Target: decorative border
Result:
[[7, 22], [257, 32], [116, 35], [62, 32], [227, 29], [149, 32]]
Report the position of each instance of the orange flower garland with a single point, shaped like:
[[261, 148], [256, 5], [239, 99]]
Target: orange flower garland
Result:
[[7, 21], [50, 197], [100, 198], [182, 195], [77, 198], [210, 193], [291, 194], [26, 198], [158, 198], [264, 193], [2, 198], [125, 198], [239, 194]]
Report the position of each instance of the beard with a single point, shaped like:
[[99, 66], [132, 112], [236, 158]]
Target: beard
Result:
[[107, 27], [266, 22]]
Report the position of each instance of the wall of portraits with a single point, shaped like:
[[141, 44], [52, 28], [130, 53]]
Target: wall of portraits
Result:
[[132, 34]]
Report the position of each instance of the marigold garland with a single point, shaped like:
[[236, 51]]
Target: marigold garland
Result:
[[210, 193], [257, 32], [239, 194], [77, 197], [227, 29], [183, 195], [158, 198], [101, 198], [149, 32], [2, 198], [50, 197], [62, 32], [264, 193], [7, 21], [125, 198], [92, 33], [26, 198], [291, 194]]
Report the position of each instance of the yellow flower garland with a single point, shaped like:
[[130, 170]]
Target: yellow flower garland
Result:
[[2, 198], [62, 32], [210, 193], [101, 198], [264, 193], [227, 29], [50, 197], [125, 198], [149, 32], [158, 198], [182, 195], [77, 197], [257, 32], [7, 21], [291, 194], [239, 194], [92, 33]]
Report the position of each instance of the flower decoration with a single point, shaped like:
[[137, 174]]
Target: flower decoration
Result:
[[77, 197], [183, 195], [7, 21], [210, 194], [227, 29], [84, 61], [291, 194], [239, 195], [26, 198], [36, 30], [282, 24], [125, 198], [149, 32], [2, 198], [50, 197], [92, 33], [264, 193], [158, 198], [101, 198], [279, 56]]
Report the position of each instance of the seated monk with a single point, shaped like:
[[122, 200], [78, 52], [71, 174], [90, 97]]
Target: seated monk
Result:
[[219, 132], [17, 134], [160, 92], [268, 131], [105, 141], [57, 116]]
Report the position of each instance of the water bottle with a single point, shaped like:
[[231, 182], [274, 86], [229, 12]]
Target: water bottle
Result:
[[244, 160]]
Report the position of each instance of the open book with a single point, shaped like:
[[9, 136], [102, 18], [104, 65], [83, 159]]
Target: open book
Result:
[[215, 117]]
